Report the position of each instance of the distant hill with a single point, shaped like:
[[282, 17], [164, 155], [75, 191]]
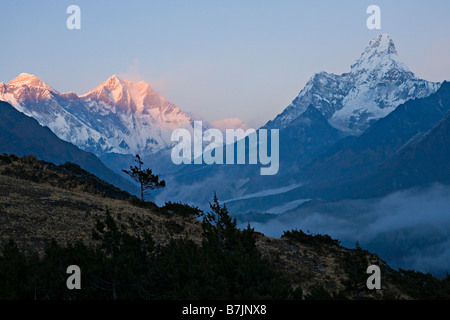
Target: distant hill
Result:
[[423, 161], [382, 140], [68, 176], [22, 135]]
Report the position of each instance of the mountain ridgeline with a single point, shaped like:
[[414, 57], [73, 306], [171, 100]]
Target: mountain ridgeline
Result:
[[118, 116]]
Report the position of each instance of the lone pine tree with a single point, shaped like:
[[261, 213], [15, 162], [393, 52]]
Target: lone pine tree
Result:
[[144, 177]]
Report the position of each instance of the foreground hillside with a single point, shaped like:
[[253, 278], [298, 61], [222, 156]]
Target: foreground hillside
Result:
[[130, 250], [40, 201]]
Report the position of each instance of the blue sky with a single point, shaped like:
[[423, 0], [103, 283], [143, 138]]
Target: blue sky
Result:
[[218, 59]]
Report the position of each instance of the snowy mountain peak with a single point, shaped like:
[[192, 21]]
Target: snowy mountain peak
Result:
[[377, 83], [379, 54], [125, 96], [113, 81], [30, 80], [382, 43]]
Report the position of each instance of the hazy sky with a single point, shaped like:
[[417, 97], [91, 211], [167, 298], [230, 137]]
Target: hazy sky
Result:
[[218, 59]]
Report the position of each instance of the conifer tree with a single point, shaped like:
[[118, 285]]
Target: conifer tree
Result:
[[144, 177]]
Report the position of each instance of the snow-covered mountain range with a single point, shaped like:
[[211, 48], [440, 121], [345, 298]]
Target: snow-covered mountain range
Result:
[[329, 112], [118, 116], [377, 83]]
